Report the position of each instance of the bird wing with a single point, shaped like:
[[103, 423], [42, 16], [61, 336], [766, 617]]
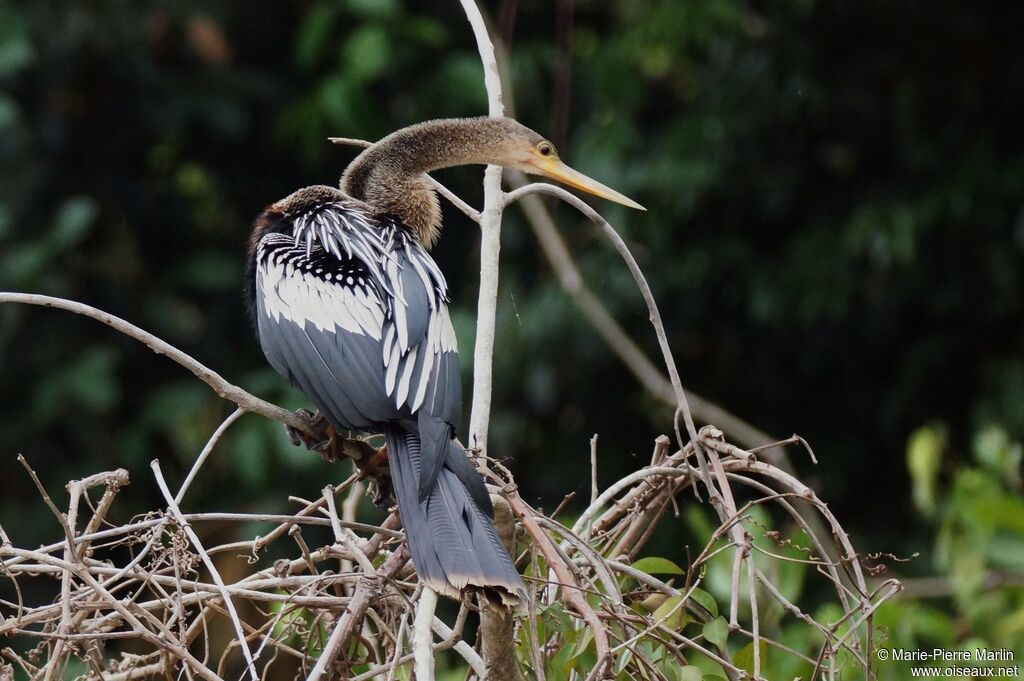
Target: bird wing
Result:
[[420, 351], [354, 312]]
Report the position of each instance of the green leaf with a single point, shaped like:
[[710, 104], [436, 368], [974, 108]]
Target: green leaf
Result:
[[73, 220], [288, 626], [368, 53], [995, 451], [557, 617], [315, 34], [624, 659], [924, 456], [653, 565], [559, 664], [690, 673], [585, 639], [717, 631], [705, 600], [744, 658], [673, 612]]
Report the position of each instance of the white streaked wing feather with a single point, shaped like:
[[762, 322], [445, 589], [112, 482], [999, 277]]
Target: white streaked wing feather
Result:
[[392, 372], [402, 392], [342, 227], [424, 379]]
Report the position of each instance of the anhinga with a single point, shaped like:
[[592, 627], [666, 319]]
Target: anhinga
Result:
[[352, 310]]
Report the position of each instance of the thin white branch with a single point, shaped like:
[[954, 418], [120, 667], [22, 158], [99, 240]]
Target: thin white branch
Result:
[[462, 648], [201, 459], [594, 310], [348, 540], [755, 626], [720, 495], [172, 506], [422, 638], [490, 246], [638, 275], [629, 480]]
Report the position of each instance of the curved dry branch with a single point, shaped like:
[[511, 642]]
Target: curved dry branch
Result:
[[650, 377], [638, 276], [220, 385], [373, 600]]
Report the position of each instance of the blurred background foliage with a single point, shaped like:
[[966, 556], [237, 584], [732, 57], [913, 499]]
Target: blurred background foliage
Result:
[[835, 232]]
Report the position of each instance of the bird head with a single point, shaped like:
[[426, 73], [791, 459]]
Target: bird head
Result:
[[523, 149]]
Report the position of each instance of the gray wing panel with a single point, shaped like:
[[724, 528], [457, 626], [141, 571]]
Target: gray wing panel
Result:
[[444, 389], [417, 302], [274, 348], [306, 368], [356, 369]]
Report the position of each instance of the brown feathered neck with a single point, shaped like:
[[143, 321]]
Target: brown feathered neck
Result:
[[389, 175]]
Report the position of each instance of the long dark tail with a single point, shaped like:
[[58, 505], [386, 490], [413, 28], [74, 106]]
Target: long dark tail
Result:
[[451, 533]]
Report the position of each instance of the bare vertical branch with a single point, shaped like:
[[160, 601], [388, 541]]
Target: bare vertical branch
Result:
[[422, 635], [497, 633], [490, 245], [497, 652]]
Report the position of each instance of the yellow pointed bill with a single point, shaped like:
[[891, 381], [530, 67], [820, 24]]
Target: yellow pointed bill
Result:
[[556, 170]]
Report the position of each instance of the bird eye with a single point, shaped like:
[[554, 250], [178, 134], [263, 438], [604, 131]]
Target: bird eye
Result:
[[545, 149]]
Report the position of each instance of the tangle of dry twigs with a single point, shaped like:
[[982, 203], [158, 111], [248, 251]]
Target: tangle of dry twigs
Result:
[[343, 610]]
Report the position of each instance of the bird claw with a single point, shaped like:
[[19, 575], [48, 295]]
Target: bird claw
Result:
[[316, 423], [320, 436], [372, 462]]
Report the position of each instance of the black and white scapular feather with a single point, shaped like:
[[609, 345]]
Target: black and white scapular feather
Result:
[[351, 308]]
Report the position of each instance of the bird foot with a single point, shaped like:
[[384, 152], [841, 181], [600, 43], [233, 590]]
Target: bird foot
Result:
[[318, 434], [373, 463], [373, 467]]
